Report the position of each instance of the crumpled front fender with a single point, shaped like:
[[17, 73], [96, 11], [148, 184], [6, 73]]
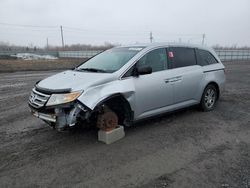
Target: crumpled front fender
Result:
[[95, 95]]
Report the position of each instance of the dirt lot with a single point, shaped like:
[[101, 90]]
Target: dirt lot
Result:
[[37, 65], [188, 148]]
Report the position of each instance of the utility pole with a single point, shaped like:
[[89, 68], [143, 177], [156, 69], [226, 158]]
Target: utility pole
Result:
[[62, 36], [47, 43], [151, 37], [203, 39]]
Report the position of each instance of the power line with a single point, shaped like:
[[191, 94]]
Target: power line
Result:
[[103, 34], [117, 31], [84, 33], [22, 25]]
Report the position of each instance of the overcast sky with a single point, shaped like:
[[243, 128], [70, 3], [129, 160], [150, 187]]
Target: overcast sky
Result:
[[224, 22]]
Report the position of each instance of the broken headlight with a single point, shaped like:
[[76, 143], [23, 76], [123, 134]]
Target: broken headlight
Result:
[[56, 99]]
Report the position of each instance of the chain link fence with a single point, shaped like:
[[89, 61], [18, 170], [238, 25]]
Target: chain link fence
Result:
[[78, 54], [233, 55]]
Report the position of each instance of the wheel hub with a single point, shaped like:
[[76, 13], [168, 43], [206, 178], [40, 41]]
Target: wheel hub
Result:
[[210, 98], [107, 121]]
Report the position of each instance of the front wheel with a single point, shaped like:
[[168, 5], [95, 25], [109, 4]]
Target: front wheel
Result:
[[107, 120], [209, 98]]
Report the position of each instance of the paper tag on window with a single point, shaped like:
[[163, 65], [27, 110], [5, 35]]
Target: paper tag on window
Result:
[[170, 54]]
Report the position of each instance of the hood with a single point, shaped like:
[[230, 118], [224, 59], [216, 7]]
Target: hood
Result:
[[74, 80]]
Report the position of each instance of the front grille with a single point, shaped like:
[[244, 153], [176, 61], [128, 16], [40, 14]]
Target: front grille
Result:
[[38, 99]]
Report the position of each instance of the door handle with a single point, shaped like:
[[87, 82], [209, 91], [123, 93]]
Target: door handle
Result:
[[179, 78], [174, 79], [167, 81], [170, 80]]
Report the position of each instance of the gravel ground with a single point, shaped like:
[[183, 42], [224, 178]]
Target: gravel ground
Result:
[[37, 65], [188, 148]]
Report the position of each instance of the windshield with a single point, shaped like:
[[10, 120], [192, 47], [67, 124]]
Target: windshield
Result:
[[110, 60]]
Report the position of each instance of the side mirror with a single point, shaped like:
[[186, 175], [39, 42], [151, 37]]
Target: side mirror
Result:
[[144, 70]]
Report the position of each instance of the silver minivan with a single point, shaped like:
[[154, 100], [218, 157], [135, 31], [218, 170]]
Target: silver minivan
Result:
[[129, 83]]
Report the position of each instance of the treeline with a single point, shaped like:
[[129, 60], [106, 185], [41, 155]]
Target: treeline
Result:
[[73, 47], [81, 47], [10, 47]]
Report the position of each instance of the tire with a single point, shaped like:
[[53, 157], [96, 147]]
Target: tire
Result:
[[209, 98]]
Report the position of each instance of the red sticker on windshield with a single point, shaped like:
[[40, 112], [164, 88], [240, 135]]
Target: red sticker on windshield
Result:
[[170, 54]]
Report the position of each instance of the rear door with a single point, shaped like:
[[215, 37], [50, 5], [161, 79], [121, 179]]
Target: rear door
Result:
[[187, 79]]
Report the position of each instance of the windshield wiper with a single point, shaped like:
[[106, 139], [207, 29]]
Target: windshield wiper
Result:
[[90, 70]]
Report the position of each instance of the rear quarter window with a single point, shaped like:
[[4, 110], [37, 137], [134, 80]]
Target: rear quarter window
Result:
[[204, 57]]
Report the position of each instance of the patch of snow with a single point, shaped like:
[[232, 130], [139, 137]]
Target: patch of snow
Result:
[[30, 56]]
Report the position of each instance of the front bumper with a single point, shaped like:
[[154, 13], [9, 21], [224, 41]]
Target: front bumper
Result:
[[43, 116], [61, 116]]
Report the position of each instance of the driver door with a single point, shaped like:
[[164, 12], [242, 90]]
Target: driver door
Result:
[[152, 93]]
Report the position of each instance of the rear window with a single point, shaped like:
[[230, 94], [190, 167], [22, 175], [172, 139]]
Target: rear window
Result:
[[205, 57], [182, 57]]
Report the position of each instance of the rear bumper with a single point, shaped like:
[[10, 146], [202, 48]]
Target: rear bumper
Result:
[[222, 85]]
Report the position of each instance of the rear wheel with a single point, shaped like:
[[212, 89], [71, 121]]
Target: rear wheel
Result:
[[209, 98]]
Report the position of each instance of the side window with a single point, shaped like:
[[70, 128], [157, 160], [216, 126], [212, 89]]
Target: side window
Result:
[[157, 59], [206, 58], [129, 72], [182, 57]]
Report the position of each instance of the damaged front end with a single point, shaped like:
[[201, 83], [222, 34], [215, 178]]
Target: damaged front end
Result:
[[58, 108]]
